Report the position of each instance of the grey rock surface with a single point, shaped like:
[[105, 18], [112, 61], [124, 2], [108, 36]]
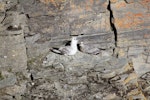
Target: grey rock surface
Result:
[[10, 81], [13, 58], [119, 28]]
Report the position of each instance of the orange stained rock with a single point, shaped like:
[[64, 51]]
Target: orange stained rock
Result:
[[121, 53], [127, 67], [134, 92], [113, 1], [73, 6], [76, 8], [120, 4], [130, 20], [131, 77], [147, 35], [82, 16], [145, 2], [91, 2], [54, 2], [86, 6], [2, 6], [138, 15], [89, 5], [49, 1], [80, 9], [137, 93]]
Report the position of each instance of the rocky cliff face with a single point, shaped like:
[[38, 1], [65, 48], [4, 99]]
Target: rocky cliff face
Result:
[[118, 28]]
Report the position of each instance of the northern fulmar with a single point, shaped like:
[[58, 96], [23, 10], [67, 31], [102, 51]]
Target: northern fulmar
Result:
[[68, 50], [89, 49]]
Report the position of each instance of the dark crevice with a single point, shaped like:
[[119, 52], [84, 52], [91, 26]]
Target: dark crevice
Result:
[[112, 22], [31, 77], [27, 15], [3, 18], [12, 28], [10, 34], [13, 97], [126, 1], [40, 16]]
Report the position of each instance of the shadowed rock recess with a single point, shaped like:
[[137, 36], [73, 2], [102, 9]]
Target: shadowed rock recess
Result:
[[119, 31]]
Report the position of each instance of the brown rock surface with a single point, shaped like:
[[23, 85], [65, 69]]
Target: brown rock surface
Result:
[[118, 28], [132, 22]]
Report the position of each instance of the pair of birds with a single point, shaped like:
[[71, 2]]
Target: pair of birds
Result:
[[72, 48]]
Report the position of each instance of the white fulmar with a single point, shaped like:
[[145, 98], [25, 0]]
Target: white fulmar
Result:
[[68, 50]]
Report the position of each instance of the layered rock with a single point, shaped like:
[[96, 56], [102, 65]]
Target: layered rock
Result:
[[72, 77], [115, 27], [131, 20], [89, 20], [13, 58]]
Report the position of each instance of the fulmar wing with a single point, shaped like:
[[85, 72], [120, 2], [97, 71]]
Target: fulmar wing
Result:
[[55, 50], [65, 50]]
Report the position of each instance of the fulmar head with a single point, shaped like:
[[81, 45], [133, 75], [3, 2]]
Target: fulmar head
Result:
[[74, 39], [81, 44]]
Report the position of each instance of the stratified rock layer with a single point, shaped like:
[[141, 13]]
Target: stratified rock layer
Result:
[[13, 58], [119, 29]]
